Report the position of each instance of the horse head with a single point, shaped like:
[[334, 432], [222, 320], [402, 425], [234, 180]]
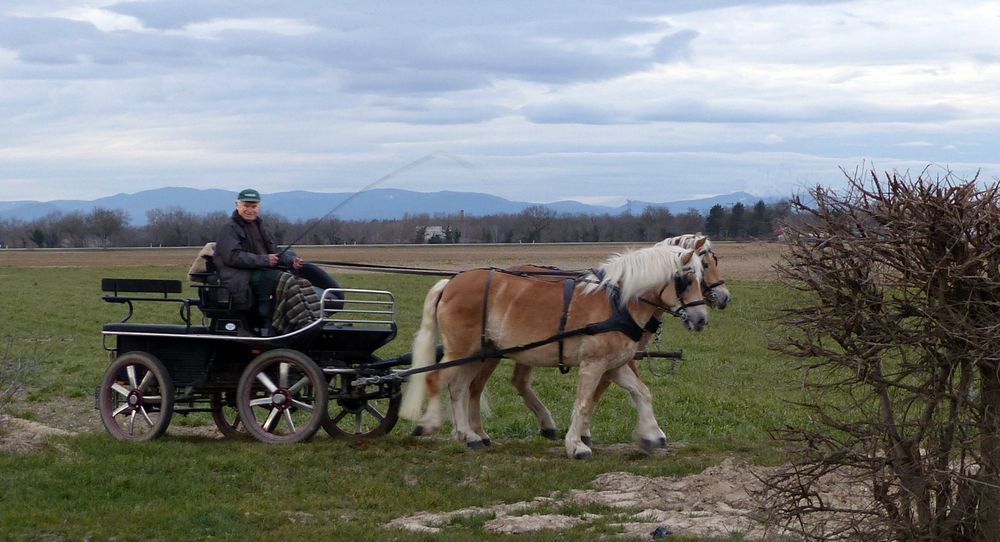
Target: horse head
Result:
[[713, 286], [685, 298]]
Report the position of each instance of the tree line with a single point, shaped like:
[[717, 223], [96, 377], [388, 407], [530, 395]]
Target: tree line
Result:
[[174, 226]]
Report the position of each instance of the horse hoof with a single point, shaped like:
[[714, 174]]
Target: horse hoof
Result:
[[487, 442], [418, 431], [583, 454], [477, 444], [549, 434], [587, 440], [649, 445]]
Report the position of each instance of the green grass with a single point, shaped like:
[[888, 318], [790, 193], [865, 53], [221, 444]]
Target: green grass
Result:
[[727, 393]]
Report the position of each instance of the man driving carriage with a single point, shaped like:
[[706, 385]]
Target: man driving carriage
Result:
[[248, 259]]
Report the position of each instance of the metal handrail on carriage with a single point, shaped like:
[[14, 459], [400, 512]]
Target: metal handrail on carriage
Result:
[[351, 310], [344, 315]]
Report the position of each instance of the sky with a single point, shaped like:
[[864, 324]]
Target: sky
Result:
[[598, 102]]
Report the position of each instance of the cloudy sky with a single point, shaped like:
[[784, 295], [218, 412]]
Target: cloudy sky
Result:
[[533, 101]]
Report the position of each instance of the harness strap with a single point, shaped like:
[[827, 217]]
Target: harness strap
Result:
[[620, 320], [653, 325], [589, 329], [568, 286], [486, 310], [714, 285]]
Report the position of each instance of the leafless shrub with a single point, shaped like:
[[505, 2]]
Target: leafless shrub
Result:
[[898, 339]]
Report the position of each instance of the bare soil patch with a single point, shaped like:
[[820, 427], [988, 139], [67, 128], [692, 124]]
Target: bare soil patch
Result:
[[741, 261], [25, 436], [717, 502]]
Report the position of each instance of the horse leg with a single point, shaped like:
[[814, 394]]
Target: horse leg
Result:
[[459, 388], [599, 392], [583, 410], [476, 395], [522, 382], [648, 431], [431, 422]]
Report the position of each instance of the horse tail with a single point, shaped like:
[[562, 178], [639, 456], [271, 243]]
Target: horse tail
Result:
[[424, 354]]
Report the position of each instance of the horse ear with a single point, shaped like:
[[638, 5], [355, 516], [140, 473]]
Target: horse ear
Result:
[[686, 258], [700, 243]]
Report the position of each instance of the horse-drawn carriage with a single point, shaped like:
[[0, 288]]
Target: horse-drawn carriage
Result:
[[279, 388], [284, 387]]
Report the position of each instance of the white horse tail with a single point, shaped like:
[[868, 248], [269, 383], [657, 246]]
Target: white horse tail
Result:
[[424, 354]]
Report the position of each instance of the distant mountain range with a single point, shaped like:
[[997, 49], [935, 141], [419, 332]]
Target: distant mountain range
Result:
[[377, 204]]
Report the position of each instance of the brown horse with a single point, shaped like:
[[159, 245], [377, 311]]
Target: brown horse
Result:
[[713, 288], [485, 312]]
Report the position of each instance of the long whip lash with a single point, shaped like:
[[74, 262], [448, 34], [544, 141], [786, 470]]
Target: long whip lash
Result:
[[425, 158], [369, 186]]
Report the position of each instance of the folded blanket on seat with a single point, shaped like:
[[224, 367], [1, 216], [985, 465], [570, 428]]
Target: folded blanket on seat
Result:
[[297, 304], [201, 261]]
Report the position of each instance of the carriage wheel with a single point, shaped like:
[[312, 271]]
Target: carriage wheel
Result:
[[226, 415], [136, 398], [372, 413], [282, 397]]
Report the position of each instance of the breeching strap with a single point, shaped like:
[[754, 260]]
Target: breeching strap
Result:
[[486, 311], [569, 285]]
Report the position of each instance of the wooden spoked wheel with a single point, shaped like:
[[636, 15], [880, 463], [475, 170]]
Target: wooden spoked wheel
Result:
[[282, 397], [361, 411], [136, 398], [226, 415]]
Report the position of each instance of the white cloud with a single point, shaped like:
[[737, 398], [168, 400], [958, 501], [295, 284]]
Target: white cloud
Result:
[[214, 28], [104, 20], [661, 101]]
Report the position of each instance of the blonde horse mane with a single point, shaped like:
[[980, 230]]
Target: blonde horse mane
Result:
[[688, 240], [637, 271]]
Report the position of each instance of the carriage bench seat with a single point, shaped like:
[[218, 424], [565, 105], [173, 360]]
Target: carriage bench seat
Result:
[[159, 329], [122, 290], [143, 286]]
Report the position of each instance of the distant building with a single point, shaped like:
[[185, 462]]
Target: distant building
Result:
[[432, 231]]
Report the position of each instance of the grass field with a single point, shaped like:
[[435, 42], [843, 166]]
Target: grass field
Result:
[[726, 396]]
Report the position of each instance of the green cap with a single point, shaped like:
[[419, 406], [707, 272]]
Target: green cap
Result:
[[248, 194]]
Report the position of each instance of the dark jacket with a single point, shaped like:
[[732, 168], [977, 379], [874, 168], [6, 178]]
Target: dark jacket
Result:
[[235, 258]]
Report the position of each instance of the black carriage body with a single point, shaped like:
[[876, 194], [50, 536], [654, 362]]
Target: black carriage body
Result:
[[194, 356], [220, 364], [190, 358]]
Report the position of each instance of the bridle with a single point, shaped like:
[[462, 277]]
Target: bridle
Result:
[[706, 289], [681, 282]]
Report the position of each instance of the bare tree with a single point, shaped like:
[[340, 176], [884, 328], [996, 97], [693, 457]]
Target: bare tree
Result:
[[897, 338], [106, 224], [537, 219]]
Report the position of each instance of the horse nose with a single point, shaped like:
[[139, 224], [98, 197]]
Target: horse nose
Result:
[[697, 318], [720, 298]]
